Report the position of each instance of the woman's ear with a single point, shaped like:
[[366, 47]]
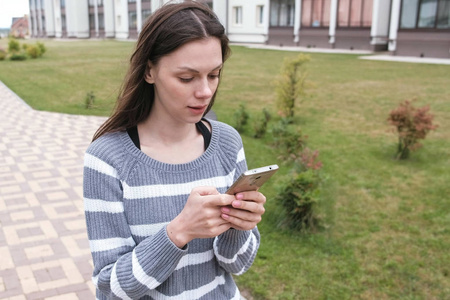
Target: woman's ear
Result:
[[148, 73]]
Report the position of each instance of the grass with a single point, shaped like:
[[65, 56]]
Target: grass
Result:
[[387, 222]]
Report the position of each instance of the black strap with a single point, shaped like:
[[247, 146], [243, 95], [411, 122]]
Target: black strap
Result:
[[133, 133], [205, 132]]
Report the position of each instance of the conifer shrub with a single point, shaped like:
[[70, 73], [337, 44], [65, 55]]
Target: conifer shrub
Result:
[[290, 86], [300, 194], [240, 117], [89, 100], [260, 124], [412, 124]]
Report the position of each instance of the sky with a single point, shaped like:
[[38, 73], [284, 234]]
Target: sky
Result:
[[10, 9]]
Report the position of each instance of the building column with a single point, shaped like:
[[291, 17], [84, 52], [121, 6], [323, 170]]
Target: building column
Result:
[[393, 29], [138, 16], [297, 20], [39, 18], [97, 34], [34, 15], [333, 22]]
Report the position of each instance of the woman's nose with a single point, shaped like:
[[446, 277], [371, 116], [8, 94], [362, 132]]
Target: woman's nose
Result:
[[204, 89]]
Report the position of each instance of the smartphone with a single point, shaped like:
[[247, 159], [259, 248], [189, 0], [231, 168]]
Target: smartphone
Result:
[[252, 180]]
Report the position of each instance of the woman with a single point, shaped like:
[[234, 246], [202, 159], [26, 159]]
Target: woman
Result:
[[159, 223]]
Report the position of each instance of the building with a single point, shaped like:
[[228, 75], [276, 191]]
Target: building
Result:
[[19, 27], [402, 27]]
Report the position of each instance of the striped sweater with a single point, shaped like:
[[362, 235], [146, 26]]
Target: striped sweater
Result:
[[129, 200]]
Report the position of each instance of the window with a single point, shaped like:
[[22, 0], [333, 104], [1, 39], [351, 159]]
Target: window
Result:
[[63, 3], [131, 1], [237, 15], [316, 13], [91, 21], [355, 13], [282, 13], [145, 14], [101, 22], [425, 14], [132, 20], [260, 15]]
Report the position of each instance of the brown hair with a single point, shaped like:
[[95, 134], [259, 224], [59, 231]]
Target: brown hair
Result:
[[170, 27]]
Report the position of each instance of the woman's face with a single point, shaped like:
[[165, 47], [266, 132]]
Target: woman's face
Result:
[[185, 81]]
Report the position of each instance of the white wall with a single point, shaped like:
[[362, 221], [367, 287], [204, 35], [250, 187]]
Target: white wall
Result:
[[249, 31], [109, 17], [121, 18], [77, 18], [49, 18], [380, 21]]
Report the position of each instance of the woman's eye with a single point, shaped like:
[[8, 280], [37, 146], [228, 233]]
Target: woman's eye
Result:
[[186, 79], [214, 76]]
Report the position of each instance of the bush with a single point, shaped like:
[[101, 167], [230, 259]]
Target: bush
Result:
[[33, 51], [2, 54], [260, 124], [89, 100], [300, 195], [240, 117], [13, 46], [41, 47], [411, 124], [291, 85], [288, 140], [18, 56]]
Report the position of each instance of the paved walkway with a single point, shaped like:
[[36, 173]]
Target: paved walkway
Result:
[[44, 252]]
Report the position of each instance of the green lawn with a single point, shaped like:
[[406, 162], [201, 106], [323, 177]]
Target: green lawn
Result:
[[387, 222]]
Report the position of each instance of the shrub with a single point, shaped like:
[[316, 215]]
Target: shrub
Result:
[[412, 124], [240, 117], [25, 46], [33, 51], [18, 56], [13, 46], [288, 140], [260, 124], [89, 100], [41, 47], [2, 54], [300, 195], [291, 84]]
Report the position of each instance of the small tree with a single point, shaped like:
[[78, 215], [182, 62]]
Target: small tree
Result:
[[412, 124], [291, 84], [299, 195], [13, 46], [240, 117]]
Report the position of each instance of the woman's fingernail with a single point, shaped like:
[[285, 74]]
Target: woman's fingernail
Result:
[[236, 203], [239, 196], [225, 209]]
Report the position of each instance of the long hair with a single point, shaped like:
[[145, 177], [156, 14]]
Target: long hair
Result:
[[169, 28]]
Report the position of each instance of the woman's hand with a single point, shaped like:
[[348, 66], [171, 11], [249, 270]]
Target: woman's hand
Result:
[[245, 211], [201, 217]]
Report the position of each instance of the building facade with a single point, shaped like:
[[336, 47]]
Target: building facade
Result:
[[402, 27]]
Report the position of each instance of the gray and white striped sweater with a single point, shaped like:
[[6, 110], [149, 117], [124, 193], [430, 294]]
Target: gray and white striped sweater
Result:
[[129, 200]]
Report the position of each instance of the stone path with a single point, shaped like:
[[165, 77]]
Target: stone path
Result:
[[44, 251]]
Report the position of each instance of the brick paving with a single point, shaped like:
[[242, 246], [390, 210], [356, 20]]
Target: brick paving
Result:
[[44, 251]]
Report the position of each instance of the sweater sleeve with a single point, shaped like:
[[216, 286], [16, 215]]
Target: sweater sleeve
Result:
[[235, 250], [122, 269]]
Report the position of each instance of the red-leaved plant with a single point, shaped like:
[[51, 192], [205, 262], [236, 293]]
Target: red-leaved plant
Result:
[[412, 124]]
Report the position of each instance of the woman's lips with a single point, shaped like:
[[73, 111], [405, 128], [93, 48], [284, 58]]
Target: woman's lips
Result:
[[198, 109]]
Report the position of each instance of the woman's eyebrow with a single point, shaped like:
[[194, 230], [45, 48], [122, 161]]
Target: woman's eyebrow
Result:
[[196, 71]]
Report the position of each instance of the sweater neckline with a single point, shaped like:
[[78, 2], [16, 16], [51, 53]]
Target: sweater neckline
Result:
[[144, 158]]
